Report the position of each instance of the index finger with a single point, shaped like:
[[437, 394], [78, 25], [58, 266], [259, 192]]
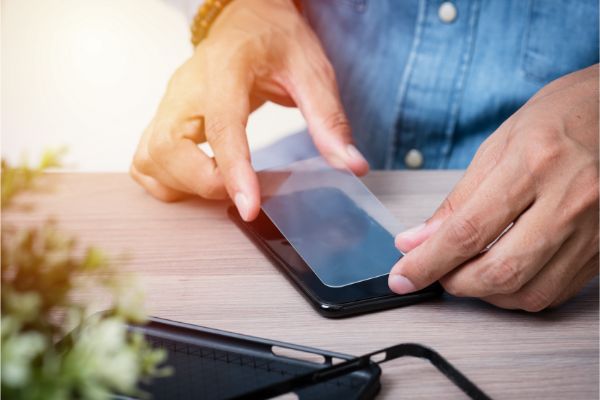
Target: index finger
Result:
[[484, 161], [226, 135], [225, 128], [497, 202], [312, 85]]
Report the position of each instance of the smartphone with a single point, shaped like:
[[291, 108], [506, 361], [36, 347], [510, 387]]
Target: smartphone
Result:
[[333, 301]]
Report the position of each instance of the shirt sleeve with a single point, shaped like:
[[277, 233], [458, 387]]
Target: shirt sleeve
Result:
[[187, 7]]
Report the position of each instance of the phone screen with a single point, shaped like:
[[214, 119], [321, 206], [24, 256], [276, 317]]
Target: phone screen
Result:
[[332, 220]]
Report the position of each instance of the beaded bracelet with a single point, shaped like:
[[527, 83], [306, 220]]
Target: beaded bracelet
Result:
[[206, 15]]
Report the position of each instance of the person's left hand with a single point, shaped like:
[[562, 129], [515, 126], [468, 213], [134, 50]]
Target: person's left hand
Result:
[[538, 170]]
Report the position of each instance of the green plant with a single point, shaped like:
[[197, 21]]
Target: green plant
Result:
[[42, 272], [17, 179]]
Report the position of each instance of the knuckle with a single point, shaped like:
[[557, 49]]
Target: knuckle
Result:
[[579, 203], [588, 188], [159, 192], [502, 276], [209, 190], [208, 185], [454, 287], [491, 152], [166, 196], [134, 173], [446, 208], [184, 79], [157, 146], [216, 130], [465, 236], [141, 161], [338, 122], [542, 151], [534, 300], [485, 145]]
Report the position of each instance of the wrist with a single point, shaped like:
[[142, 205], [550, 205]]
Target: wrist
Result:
[[210, 13]]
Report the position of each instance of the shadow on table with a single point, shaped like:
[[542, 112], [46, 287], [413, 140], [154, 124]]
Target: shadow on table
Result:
[[586, 301]]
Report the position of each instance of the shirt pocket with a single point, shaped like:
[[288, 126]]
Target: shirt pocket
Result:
[[561, 37]]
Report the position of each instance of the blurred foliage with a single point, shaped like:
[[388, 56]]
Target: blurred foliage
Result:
[[42, 270], [17, 179]]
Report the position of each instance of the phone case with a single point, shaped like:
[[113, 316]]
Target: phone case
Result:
[[213, 364]]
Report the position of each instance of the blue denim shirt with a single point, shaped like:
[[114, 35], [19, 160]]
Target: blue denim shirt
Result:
[[413, 76]]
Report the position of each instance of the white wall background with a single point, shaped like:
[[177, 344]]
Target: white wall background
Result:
[[89, 74]]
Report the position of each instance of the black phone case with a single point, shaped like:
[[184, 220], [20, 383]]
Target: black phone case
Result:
[[309, 285], [214, 364]]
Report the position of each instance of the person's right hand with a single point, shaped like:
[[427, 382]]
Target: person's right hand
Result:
[[257, 50]]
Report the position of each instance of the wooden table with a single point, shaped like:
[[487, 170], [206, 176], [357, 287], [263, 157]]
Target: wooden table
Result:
[[198, 267]]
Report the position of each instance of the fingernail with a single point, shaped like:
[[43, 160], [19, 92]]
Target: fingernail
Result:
[[241, 202], [412, 231], [354, 153], [401, 284]]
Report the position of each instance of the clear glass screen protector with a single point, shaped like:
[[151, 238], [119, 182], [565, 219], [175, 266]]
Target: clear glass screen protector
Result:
[[332, 220]]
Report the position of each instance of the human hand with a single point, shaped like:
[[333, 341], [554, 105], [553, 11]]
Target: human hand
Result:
[[538, 170], [257, 50]]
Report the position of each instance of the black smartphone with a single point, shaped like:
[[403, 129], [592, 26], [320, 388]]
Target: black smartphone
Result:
[[330, 301]]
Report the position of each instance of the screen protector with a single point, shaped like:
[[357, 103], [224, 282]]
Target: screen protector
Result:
[[332, 220]]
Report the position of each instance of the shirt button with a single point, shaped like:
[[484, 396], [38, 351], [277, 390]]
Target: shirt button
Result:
[[447, 12], [413, 159]]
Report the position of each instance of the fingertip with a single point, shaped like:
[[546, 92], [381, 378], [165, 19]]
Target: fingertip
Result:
[[356, 161], [400, 284], [398, 279], [345, 157], [253, 214], [253, 208], [411, 238], [359, 169], [246, 191], [248, 211], [402, 244], [408, 244]]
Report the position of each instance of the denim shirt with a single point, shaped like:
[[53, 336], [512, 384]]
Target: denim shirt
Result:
[[424, 82]]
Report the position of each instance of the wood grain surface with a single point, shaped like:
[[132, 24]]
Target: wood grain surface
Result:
[[198, 267]]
